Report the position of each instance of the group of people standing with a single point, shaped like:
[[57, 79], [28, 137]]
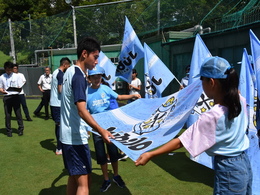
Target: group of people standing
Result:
[[11, 83], [75, 95]]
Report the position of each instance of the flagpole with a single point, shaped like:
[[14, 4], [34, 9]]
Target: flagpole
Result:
[[178, 81]]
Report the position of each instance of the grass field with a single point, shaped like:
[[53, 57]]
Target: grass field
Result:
[[30, 167]]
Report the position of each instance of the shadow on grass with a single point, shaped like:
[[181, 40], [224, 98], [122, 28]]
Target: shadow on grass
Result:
[[55, 189], [182, 168], [96, 181], [3, 131], [49, 144]]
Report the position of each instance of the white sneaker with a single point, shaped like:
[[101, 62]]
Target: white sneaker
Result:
[[58, 152]]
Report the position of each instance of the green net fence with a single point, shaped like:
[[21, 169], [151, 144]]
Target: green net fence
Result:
[[106, 23]]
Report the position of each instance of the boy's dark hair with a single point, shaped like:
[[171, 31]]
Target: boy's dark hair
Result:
[[16, 65], [230, 88], [63, 60], [8, 65], [89, 44]]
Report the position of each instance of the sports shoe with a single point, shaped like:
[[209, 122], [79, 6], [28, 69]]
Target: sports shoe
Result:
[[122, 156], [106, 184], [118, 180], [58, 152]]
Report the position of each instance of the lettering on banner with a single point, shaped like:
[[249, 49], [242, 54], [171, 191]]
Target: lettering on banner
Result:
[[123, 66], [151, 85], [131, 143]]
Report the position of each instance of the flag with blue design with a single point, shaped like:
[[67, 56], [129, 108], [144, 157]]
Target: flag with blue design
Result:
[[109, 67], [149, 123], [200, 53], [156, 81], [254, 115], [131, 52]]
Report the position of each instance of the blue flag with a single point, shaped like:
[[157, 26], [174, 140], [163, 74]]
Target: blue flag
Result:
[[131, 52], [109, 67], [254, 115], [200, 53], [157, 75], [247, 80], [149, 123], [255, 45]]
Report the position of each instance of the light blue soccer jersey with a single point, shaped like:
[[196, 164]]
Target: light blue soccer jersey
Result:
[[216, 135], [98, 99], [57, 79], [73, 91]]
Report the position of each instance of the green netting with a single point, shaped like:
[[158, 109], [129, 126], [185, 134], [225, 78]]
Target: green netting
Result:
[[106, 22]]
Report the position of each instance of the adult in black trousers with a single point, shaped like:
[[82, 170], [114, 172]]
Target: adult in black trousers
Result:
[[11, 85], [44, 85]]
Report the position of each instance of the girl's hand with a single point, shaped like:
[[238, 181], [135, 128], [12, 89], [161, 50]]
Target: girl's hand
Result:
[[143, 159]]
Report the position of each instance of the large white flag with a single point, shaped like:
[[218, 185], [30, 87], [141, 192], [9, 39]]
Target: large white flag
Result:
[[149, 123]]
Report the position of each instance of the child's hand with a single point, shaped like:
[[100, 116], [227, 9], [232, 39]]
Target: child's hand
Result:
[[106, 135], [137, 96], [143, 159]]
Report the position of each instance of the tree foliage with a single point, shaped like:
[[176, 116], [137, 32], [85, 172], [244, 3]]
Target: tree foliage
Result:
[[48, 23]]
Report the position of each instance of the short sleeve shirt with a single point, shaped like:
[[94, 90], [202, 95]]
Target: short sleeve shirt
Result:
[[11, 80], [137, 82], [57, 79], [45, 81], [99, 99], [73, 91], [216, 135]]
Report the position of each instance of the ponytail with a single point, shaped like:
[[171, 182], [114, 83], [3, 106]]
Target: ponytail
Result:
[[231, 98]]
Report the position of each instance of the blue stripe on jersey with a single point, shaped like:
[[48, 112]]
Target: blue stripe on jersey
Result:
[[79, 86]]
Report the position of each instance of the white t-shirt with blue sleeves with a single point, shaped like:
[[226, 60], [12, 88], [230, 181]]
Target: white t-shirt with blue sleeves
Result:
[[216, 135], [98, 99], [57, 79], [73, 91]]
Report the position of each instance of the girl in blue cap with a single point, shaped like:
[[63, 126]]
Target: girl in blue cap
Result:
[[99, 96], [220, 132]]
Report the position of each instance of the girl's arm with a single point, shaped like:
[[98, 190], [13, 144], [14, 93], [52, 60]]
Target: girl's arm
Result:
[[170, 146]]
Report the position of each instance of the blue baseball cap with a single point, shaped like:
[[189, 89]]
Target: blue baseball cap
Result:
[[214, 67], [96, 70]]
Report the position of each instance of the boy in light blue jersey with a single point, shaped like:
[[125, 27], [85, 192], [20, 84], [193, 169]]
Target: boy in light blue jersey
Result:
[[74, 139], [55, 100], [99, 97]]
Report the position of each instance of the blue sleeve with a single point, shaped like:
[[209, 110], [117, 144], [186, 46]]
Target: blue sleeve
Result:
[[60, 77], [79, 86], [113, 94]]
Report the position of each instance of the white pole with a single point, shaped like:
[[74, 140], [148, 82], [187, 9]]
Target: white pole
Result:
[[12, 41], [74, 27]]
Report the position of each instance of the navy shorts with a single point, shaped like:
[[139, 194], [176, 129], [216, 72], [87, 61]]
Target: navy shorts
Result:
[[77, 159], [55, 113]]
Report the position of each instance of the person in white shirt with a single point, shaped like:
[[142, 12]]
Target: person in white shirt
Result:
[[22, 95], [135, 85], [44, 85], [55, 101], [11, 85]]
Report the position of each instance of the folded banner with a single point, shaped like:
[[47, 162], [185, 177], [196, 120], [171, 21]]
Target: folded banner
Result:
[[148, 123], [109, 67]]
